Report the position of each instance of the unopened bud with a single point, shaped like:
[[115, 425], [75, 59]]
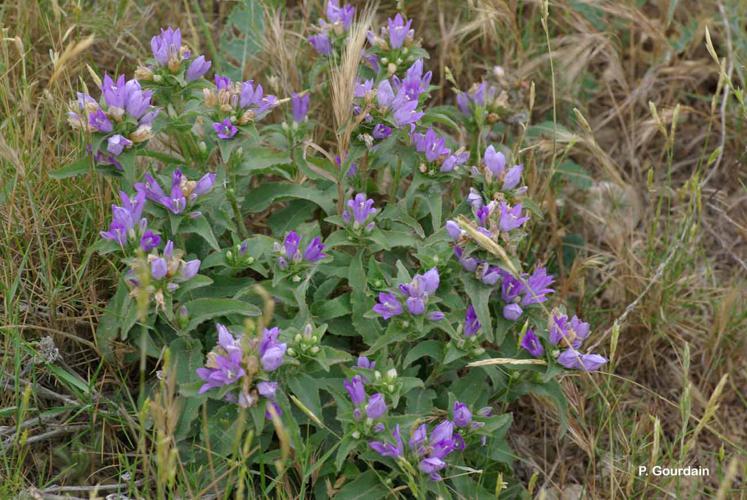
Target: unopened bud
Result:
[[143, 73]]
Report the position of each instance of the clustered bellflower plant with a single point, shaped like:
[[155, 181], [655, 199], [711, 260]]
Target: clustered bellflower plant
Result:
[[398, 274]]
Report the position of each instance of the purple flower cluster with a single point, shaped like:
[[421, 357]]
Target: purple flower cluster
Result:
[[396, 34], [567, 333], [237, 103], [374, 406], [126, 118], [360, 212], [290, 251], [494, 170], [128, 224], [339, 20], [480, 95], [183, 192], [168, 52], [530, 289], [429, 451], [229, 363], [415, 295], [171, 268], [393, 100], [491, 219], [436, 152]]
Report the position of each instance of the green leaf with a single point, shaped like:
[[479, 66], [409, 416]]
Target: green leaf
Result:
[[111, 322], [360, 302], [201, 310], [364, 487], [347, 445], [306, 389], [201, 227], [258, 158], [479, 294], [330, 309], [431, 348], [420, 401], [186, 358], [241, 37], [265, 195], [77, 168]]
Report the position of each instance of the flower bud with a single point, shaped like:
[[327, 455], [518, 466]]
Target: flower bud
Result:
[[391, 374], [315, 349], [141, 134], [291, 352], [143, 73], [356, 435]]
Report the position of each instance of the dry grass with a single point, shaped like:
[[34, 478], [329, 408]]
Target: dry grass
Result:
[[665, 230]]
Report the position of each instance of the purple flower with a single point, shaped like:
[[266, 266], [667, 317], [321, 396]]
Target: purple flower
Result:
[[436, 316], [567, 332], [462, 100], [387, 449], [183, 191], [468, 263], [314, 251], [453, 161], [512, 312], [414, 82], [431, 466], [291, 244], [388, 306], [418, 437], [166, 46], [300, 106], [572, 359], [513, 177], [462, 415], [253, 99], [356, 389], [224, 362], [404, 111], [189, 269], [454, 230], [197, 68], [222, 82], [267, 389], [364, 362], [149, 240], [321, 43], [490, 274], [495, 162], [158, 268], [359, 210], [225, 130], [471, 323], [511, 217], [384, 94], [271, 351], [126, 219], [537, 287], [474, 198], [99, 122], [430, 144], [381, 131], [399, 31], [531, 344], [337, 14], [376, 406], [117, 143]]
